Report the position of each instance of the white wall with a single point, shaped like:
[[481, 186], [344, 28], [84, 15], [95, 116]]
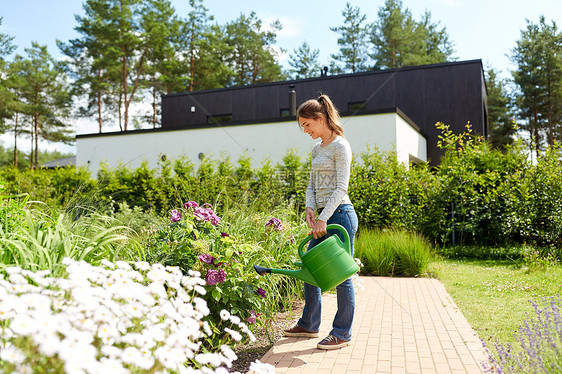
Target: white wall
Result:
[[270, 140]]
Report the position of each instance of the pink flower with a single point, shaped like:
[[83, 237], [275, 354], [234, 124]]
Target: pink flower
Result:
[[206, 258], [253, 317], [214, 277], [261, 292], [206, 214], [190, 204], [175, 215], [276, 223]]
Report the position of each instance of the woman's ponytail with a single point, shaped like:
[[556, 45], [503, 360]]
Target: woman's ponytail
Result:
[[322, 106]]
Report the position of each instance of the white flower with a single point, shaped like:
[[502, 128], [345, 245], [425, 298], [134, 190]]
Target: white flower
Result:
[[235, 334], [208, 358], [13, 270], [262, 368], [108, 264], [171, 358], [194, 273], [134, 310], [111, 351], [142, 265], [48, 344], [200, 290], [201, 306], [12, 354], [24, 325], [235, 319], [131, 355], [112, 365], [228, 352], [123, 265], [207, 328], [224, 314]]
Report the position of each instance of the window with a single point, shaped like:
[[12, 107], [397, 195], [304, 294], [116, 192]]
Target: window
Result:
[[221, 118], [356, 106], [285, 112]]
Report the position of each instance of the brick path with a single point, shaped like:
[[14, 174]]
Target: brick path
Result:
[[402, 325]]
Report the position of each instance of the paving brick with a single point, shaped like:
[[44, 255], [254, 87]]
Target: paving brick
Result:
[[402, 325]]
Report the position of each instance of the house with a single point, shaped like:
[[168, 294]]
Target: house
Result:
[[393, 109]]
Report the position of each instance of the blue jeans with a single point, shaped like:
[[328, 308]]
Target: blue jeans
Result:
[[311, 316]]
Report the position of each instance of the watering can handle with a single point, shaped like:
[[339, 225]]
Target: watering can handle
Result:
[[330, 226]]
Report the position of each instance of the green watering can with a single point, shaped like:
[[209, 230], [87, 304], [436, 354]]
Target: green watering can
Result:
[[326, 265]]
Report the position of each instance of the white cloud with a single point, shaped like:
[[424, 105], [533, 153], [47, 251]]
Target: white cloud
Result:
[[292, 28]]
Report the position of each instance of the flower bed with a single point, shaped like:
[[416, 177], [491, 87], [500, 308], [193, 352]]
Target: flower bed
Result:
[[113, 319]]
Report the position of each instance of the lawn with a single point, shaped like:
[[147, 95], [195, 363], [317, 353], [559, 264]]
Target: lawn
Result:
[[495, 296]]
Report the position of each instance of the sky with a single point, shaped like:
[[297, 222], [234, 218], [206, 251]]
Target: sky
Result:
[[479, 29]]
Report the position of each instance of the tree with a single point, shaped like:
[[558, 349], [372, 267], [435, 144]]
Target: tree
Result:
[[214, 52], [538, 57], [44, 97], [399, 40], [93, 66], [252, 57], [6, 48], [500, 118], [165, 72], [116, 40], [304, 62], [353, 41]]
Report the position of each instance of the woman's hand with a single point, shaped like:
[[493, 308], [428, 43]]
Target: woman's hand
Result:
[[310, 219], [319, 229]]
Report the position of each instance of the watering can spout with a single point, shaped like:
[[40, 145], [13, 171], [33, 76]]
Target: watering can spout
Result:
[[326, 265], [302, 274]]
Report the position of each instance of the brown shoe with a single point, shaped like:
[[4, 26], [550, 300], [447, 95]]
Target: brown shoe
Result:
[[299, 331], [331, 342]]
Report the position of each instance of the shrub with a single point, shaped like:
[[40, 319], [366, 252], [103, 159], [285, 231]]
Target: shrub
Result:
[[393, 252], [195, 238]]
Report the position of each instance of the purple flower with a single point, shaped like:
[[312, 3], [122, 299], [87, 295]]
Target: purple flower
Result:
[[206, 214], [190, 204], [224, 234], [292, 239], [275, 223], [215, 276], [175, 215], [253, 317], [206, 258], [261, 292]]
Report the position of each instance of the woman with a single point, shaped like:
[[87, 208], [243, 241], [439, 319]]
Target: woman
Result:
[[327, 194]]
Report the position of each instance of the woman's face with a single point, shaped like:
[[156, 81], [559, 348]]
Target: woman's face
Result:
[[315, 127]]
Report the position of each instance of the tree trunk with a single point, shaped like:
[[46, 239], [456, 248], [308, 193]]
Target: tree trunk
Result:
[[36, 121], [16, 142], [99, 101], [154, 107], [126, 112], [31, 149]]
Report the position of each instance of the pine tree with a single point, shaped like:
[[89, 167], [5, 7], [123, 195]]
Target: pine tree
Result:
[[538, 56], [252, 56], [501, 122], [353, 56], [6, 48], [164, 72], [304, 62], [44, 97], [93, 66], [398, 40]]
